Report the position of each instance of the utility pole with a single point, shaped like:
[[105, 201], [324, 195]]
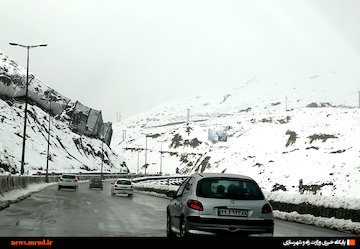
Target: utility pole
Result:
[[161, 152], [102, 156], [118, 117], [137, 168], [286, 103], [188, 115], [50, 99], [48, 147], [146, 136], [359, 99], [103, 137]]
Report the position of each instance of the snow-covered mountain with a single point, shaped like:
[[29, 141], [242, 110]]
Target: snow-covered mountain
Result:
[[75, 129], [280, 130]]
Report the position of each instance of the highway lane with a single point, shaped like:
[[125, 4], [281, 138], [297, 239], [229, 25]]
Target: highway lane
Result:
[[94, 212], [86, 212]]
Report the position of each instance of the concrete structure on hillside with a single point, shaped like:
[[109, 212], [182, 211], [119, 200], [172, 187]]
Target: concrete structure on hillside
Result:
[[89, 122]]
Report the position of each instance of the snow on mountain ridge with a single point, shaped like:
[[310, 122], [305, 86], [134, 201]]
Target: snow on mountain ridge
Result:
[[256, 93], [275, 146], [12, 84]]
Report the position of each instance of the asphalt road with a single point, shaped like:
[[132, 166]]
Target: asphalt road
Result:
[[94, 212]]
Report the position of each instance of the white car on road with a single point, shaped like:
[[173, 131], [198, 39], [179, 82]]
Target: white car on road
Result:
[[219, 204], [68, 181], [122, 186]]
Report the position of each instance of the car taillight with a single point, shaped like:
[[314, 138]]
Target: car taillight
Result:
[[195, 205], [131, 186], [91, 182], [101, 182], [115, 186], [75, 180], [61, 179], [266, 209]]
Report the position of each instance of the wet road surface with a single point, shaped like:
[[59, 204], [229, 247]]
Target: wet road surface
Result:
[[95, 213], [85, 212]]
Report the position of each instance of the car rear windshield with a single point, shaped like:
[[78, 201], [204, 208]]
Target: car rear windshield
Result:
[[123, 182], [96, 180], [68, 177], [229, 188]]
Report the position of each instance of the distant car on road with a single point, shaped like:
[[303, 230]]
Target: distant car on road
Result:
[[219, 204], [96, 183], [122, 186], [68, 181]]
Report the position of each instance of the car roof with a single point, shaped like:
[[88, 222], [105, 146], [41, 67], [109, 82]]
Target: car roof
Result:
[[127, 179], [208, 175]]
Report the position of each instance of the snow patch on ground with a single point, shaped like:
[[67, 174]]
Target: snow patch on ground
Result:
[[331, 223], [316, 200], [156, 186], [17, 195]]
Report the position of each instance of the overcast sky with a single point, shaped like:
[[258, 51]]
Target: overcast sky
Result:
[[127, 56]]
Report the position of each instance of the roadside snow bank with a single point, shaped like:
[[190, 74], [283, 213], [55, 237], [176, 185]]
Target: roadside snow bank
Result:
[[331, 223], [160, 189], [17, 195], [316, 200]]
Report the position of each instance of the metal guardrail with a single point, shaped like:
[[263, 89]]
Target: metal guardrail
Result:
[[97, 173], [146, 178]]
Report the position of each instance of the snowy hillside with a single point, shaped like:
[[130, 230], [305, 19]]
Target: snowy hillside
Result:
[[70, 152], [70, 149], [279, 131]]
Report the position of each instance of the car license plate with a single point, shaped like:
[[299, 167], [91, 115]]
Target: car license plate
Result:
[[232, 212]]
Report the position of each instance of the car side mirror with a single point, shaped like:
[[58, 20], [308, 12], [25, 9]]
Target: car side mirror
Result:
[[171, 194]]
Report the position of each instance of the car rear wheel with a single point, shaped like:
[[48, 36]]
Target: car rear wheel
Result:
[[183, 232], [169, 231]]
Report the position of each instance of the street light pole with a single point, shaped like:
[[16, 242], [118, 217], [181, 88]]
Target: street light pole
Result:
[[48, 149], [137, 168], [26, 99], [25, 116], [49, 98], [146, 136], [161, 152], [103, 137], [102, 156]]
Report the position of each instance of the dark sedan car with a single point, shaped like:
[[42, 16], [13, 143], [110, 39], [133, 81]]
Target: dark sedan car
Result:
[[96, 183]]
